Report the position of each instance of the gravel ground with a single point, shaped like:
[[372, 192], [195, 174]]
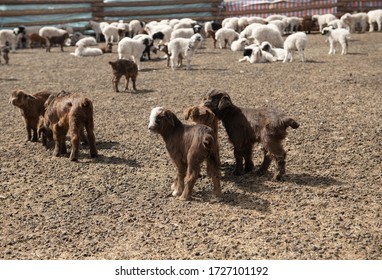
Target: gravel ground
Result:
[[118, 206]]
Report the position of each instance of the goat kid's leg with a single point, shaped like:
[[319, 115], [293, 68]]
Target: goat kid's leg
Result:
[[214, 173], [91, 139], [265, 164], [59, 134], [127, 82], [239, 162], [278, 153], [193, 172], [248, 163], [115, 82], [75, 140], [134, 79], [178, 186], [29, 131]]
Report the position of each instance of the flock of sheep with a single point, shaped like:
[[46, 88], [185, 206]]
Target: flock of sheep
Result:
[[51, 115]]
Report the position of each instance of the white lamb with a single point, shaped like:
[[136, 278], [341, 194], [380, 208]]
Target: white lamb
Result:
[[258, 56], [50, 31], [87, 41], [275, 17], [340, 35], [337, 23], [296, 41], [159, 31], [239, 44], [135, 27], [112, 33], [96, 28], [185, 32], [278, 53], [226, 36], [242, 23], [323, 20], [10, 36], [132, 49], [84, 51], [351, 21], [375, 16], [256, 20], [293, 23], [266, 33], [185, 47], [247, 32]]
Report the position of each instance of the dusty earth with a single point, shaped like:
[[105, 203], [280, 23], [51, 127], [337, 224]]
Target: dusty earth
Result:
[[118, 206]]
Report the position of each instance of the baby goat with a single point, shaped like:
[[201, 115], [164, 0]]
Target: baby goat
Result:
[[127, 68], [188, 146], [248, 126]]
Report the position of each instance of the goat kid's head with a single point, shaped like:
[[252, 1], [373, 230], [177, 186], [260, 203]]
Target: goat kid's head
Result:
[[217, 100], [327, 30], [19, 97], [160, 119]]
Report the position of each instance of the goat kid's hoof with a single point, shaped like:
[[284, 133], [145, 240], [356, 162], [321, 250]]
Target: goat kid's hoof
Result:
[[277, 177], [175, 193], [184, 198]]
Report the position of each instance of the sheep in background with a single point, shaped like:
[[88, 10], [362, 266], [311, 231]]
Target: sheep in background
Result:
[[375, 16], [293, 24], [11, 36], [85, 51], [59, 40], [160, 32], [323, 20], [266, 33], [188, 146], [108, 48], [164, 48], [97, 28], [239, 44], [86, 42], [337, 35], [149, 47], [132, 49], [274, 17], [186, 47], [135, 27], [281, 25], [258, 56], [185, 32], [34, 38], [226, 36], [351, 21], [112, 33], [255, 19], [296, 41]]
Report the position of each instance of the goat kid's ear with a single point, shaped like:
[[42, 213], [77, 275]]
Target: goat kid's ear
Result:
[[170, 117], [187, 114], [224, 102]]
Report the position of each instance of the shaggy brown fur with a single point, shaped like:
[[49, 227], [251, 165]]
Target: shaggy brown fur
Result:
[[73, 113], [188, 146], [127, 68], [247, 126], [203, 115], [34, 38], [307, 24], [4, 51], [59, 40], [31, 108], [108, 48]]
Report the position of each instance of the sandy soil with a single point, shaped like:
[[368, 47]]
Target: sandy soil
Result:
[[118, 206]]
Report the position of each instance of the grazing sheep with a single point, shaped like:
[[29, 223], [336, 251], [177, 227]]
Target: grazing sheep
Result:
[[127, 68], [188, 146], [267, 33], [375, 16], [248, 126], [112, 33], [296, 41], [239, 44], [31, 108], [323, 20], [86, 42], [130, 48], [226, 36], [149, 47], [73, 113], [59, 40], [337, 35], [50, 31], [185, 47], [86, 51], [258, 56], [4, 52], [135, 27], [11, 36], [185, 32], [352, 20], [281, 25], [293, 23], [274, 17], [34, 38], [255, 19]]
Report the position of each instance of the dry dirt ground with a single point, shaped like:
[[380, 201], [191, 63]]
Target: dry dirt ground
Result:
[[118, 206]]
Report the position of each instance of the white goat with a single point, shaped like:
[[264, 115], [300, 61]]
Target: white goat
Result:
[[278, 53], [185, 47], [296, 41], [375, 16], [226, 36], [267, 33], [135, 27], [84, 51], [351, 21], [132, 49], [112, 33], [340, 35], [10, 36], [239, 44], [258, 56], [323, 20]]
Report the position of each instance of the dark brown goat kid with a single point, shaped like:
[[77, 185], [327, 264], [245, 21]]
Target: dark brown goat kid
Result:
[[248, 126], [188, 146], [31, 108], [70, 112], [57, 40], [127, 68]]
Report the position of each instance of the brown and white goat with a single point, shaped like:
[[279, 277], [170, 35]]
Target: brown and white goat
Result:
[[127, 68], [204, 115], [188, 146], [73, 113], [250, 125], [31, 108]]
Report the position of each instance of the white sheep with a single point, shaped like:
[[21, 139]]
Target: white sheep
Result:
[[337, 23], [267, 33], [242, 23], [185, 47], [340, 35], [258, 56], [351, 21], [96, 28], [226, 36], [278, 53], [50, 31], [11, 36], [275, 17], [159, 31], [185, 32], [254, 19], [239, 44], [281, 24], [375, 16], [135, 27], [112, 33], [231, 23], [84, 51], [132, 49], [86, 41], [247, 32], [323, 20], [293, 23], [296, 41]]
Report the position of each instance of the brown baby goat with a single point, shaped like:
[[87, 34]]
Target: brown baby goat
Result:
[[247, 126], [73, 113], [188, 146], [31, 108], [127, 68]]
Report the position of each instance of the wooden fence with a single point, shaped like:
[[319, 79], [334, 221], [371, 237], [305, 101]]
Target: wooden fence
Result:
[[27, 12]]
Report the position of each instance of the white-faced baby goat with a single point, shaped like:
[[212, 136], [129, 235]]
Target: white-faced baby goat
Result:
[[188, 146], [340, 35], [247, 126]]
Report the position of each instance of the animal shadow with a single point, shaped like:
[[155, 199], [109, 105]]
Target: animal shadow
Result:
[[311, 180]]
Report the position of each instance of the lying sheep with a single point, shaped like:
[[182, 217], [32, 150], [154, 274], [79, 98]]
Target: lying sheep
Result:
[[86, 42], [248, 126], [278, 53], [126, 68], [258, 56], [352, 20], [4, 52], [239, 44], [323, 20], [226, 36], [188, 146], [11, 36], [337, 35], [132, 49], [296, 41], [73, 113], [31, 108], [185, 47], [375, 16], [34, 38], [86, 51]]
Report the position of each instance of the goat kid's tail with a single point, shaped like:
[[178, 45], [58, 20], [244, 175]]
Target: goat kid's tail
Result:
[[291, 122]]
